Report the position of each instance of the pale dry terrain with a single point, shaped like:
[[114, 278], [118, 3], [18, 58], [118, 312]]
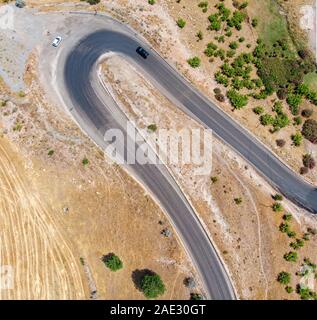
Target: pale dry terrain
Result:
[[32, 241], [57, 211]]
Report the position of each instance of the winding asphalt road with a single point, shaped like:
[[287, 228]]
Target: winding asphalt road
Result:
[[96, 112]]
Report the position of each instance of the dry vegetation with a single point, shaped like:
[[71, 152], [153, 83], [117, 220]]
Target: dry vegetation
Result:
[[56, 210]]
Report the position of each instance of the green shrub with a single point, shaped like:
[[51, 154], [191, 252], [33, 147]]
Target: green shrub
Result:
[[228, 34], [287, 217], [243, 5], [194, 62], [221, 79], [151, 2], [258, 110], [112, 262], [291, 234], [231, 53], [284, 227], [152, 127], [255, 22], [85, 161], [196, 296], [237, 18], [278, 197], [284, 277], [152, 286], [210, 50], [291, 256], [199, 35], [203, 4], [297, 139], [233, 45], [305, 293], [237, 100], [220, 53], [297, 244], [294, 101], [298, 121], [266, 119], [277, 207], [181, 23], [281, 121], [215, 22]]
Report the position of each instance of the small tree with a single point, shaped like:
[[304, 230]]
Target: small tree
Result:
[[237, 100], [181, 23], [200, 35], [255, 22], [258, 110], [297, 139], [284, 227], [112, 262], [287, 217], [299, 243], [290, 256], [194, 62], [266, 119], [196, 296], [92, 2], [152, 127], [277, 207], [284, 277], [152, 286], [278, 197], [291, 234], [85, 161]]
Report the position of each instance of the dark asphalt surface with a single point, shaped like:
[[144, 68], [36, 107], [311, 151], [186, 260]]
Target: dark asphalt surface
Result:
[[92, 111]]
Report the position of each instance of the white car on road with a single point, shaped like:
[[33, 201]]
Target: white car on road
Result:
[[57, 41]]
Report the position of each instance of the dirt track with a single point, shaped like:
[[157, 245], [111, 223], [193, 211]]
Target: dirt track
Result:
[[43, 264]]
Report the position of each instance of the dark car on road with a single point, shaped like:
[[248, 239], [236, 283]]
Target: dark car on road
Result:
[[142, 52]]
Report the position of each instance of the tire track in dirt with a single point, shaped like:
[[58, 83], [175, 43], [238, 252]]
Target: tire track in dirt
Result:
[[44, 266]]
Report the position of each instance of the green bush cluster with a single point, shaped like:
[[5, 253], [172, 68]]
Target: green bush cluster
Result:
[[278, 67], [237, 100], [224, 15]]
